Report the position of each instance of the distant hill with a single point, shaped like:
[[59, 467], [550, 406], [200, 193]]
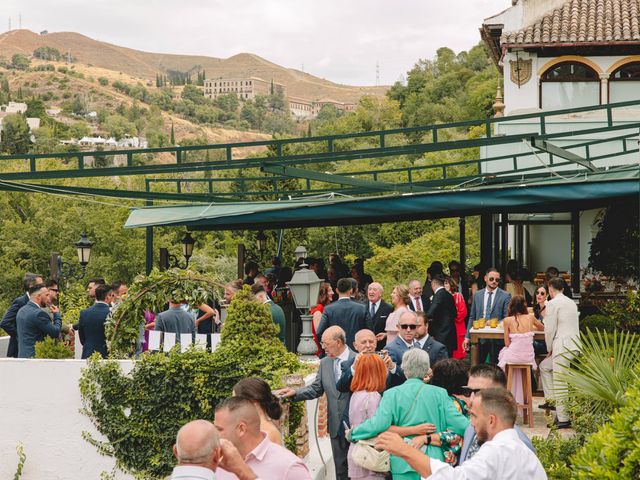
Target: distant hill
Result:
[[146, 65]]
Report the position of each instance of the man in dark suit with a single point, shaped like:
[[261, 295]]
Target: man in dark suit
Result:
[[333, 342], [345, 313], [34, 324], [418, 301], [91, 324], [378, 310], [442, 315], [489, 302], [8, 323], [436, 350], [407, 327]]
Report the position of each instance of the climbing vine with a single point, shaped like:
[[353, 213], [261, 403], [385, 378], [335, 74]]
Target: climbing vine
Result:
[[140, 413], [152, 292]]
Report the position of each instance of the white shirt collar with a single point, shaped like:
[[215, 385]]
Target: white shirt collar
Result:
[[423, 340], [436, 290], [344, 356], [192, 472], [405, 342], [100, 301]]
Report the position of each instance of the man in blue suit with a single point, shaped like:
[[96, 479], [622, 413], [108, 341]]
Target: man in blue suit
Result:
[[34, 324], [436, 350], [490, 302], [407, 325], [91, 324], [345, 313], [8, 323]]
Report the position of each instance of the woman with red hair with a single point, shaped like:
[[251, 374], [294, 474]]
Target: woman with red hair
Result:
[[369, 380]]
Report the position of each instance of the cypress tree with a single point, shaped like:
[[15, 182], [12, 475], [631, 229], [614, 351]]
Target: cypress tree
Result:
[[173, 138]]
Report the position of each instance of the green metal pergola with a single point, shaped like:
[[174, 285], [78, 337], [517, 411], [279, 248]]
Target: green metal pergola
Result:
[[211, 175]]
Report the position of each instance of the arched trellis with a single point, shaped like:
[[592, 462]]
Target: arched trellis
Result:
[[151, 293]]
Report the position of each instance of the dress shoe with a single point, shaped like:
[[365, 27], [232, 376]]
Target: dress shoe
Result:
[[560, 425], [547, 406]]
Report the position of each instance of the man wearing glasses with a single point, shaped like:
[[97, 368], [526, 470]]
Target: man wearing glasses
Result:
[[490, 302], [480, 377], [408, 324]]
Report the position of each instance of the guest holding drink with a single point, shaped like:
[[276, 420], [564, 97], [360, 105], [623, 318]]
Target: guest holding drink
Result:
[[451, 286], [539, 311]]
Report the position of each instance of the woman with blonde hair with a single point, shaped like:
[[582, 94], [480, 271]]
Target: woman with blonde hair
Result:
[[399, 300], [369, 380]]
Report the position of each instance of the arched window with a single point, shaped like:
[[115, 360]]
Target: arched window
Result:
[[569, 85], [624, 83]]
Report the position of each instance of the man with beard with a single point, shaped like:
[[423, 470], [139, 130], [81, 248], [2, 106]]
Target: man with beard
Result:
[[34, 323]]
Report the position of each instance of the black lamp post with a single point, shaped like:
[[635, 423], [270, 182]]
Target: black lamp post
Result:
[[187, 247], [68, 270], [305, 286], [261, 241]]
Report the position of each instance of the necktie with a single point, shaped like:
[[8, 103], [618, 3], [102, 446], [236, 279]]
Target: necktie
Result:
[[487, 311], [418, 306], [373, 310], [473, 448], [337, 369]]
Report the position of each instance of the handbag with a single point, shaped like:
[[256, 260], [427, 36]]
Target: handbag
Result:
[[366, 455]]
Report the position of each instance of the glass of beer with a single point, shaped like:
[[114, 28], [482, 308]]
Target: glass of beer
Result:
[[493, 323]]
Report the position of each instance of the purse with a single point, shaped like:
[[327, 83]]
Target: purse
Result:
[[366, 455]]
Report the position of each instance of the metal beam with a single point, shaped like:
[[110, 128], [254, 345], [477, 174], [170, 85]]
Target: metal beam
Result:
[[561, 152], [339, 179]]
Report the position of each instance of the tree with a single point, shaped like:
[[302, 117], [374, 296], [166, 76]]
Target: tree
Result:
[[118, 126], [20, 61], [229, 103], [15, 134], [173, 136], [35, 108], [47, 53], [104, 81], [193, 93]]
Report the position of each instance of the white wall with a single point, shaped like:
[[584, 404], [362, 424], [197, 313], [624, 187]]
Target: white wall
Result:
[[40, 402], [550, 245]]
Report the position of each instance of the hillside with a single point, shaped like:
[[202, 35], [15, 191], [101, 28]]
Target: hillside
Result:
[[146, 65]]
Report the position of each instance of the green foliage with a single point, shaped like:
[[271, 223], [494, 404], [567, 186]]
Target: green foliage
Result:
[[604, 369], [47, 53], [598, 322], [52, 348], [104, 81], [626, 312], [118, 126], [15, 134], [152, 293], [22, 458], [614, 249], [140, 414], [554, 453], [73, 300], [20, 61], [613, 452]]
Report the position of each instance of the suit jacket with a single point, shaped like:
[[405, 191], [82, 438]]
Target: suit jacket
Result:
[[470, 435], [91, 329], [34, 325], [277, 314], [349, 315], [442, 319], [379, 320], [396, 350], [325, 382], [426, 302], [436, 350], [8, 324], [499, 306], [561, 325], [432, 405]]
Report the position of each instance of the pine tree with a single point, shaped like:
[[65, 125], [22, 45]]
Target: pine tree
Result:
[[272, 90], [173, 138], [309, 130]]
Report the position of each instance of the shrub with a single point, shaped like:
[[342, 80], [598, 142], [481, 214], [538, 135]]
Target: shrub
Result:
[[614, 451], [626, 312], [104, 81], [140, 414], [598, 322], [554, 453], [52, 348]]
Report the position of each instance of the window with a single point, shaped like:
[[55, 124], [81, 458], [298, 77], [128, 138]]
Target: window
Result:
[[568, 85], [624, 83]]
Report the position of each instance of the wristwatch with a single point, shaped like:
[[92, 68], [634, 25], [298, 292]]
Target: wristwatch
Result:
[[428, 439]]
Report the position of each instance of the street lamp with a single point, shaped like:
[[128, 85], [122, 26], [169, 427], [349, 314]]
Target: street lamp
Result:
[[261, 241], [305, 286], [300, 252], [187, 246], [67, 270]]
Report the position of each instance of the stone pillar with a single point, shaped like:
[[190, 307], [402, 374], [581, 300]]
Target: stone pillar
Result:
[[604, 88], [302, 433]]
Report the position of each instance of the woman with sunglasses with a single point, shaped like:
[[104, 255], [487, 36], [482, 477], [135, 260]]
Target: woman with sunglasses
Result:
[[539, 311], [399, 300]]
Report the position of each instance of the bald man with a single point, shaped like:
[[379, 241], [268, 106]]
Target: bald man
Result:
[[330, 371], [378, 310], [238, 421], [200, 450]]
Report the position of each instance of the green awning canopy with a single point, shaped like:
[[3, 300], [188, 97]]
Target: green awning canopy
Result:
[[556, 194]]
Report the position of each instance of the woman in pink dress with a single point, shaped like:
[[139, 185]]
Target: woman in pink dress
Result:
[[324, 298], [369, 381], [400, 300], [519, 328], [451, 286]]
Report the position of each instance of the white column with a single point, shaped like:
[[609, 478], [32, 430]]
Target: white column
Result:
[[604, 87]]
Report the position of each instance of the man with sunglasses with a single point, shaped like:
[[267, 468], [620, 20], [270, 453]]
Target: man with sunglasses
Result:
[[481, 377], [406, 340], [490, 302]]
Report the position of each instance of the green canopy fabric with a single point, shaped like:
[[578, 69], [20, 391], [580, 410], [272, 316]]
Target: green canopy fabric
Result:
[[555, 194]]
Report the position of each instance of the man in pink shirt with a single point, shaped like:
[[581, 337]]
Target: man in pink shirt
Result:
[[237, 420]]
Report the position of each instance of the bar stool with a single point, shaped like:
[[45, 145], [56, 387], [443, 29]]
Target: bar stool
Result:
[[527, 405]]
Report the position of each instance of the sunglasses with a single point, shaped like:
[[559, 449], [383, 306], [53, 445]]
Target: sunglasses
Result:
[[467, 391], [494, 279], [410, 327], [541, 293], [54, 290]]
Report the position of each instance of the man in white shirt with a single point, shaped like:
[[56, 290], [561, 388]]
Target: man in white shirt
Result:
[[417, 303], [502, 455], [562, 335], [200, 451], [238, 421]]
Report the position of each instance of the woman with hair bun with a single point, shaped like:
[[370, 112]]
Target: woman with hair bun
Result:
[[267, 404]]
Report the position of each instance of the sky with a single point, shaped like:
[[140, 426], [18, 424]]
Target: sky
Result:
[[341, 41]]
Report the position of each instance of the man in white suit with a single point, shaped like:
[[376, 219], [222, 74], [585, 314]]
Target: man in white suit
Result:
[[562, 336]]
